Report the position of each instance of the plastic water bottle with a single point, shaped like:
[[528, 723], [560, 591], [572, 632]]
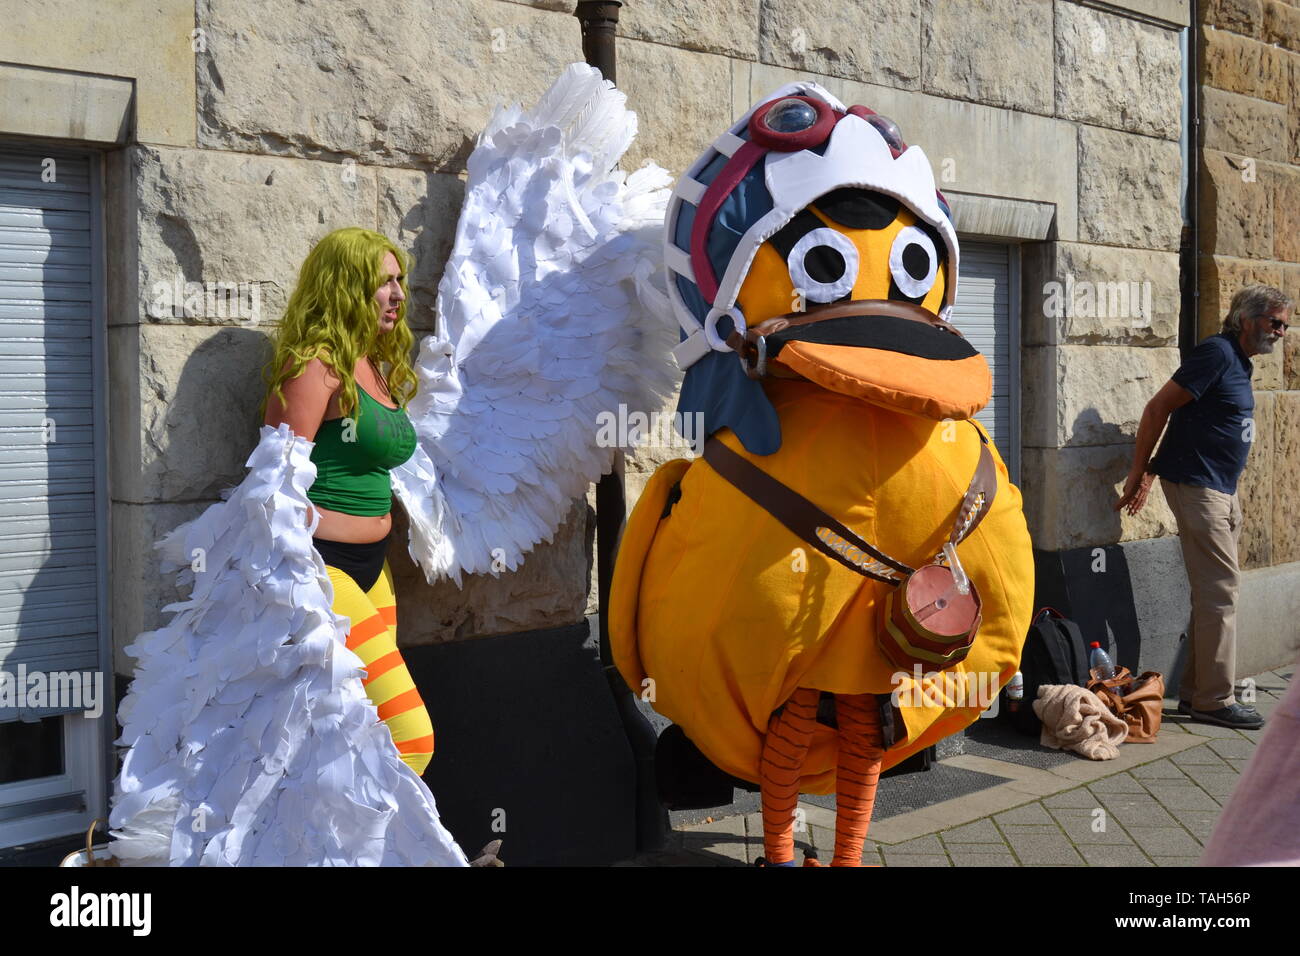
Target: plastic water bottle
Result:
[[1015, 692], [1100, 661]]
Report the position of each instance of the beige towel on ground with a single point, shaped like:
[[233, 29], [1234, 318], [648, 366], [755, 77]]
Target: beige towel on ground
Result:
[[1074, 718]]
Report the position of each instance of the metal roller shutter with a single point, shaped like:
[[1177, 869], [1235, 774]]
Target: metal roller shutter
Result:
[[984, 314], [51, 490]]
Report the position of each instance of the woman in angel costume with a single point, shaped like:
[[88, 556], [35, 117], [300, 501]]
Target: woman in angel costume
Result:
[[272, 720], [358, 439], [796, 597]]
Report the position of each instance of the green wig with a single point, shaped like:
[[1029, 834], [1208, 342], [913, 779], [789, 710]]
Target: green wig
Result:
[[332, 315]]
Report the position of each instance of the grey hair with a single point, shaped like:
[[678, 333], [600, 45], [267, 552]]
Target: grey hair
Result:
[[1255, 300]]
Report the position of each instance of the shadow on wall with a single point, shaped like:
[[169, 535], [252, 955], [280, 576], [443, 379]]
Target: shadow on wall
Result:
[[1130, 597], [212, 420]]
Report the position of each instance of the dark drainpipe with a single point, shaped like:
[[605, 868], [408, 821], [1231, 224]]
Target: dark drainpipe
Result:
[[1188, 326], [598, 19]]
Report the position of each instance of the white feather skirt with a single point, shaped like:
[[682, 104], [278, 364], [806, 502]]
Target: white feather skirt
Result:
[[251, 739]]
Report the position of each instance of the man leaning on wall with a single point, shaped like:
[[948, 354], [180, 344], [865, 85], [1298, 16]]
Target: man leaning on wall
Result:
[[1209, 405]]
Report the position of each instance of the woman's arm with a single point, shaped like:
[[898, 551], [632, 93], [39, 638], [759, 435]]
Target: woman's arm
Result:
[[306, 400]]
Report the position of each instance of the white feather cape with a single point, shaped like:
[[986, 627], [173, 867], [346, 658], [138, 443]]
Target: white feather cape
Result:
[[252, 741]]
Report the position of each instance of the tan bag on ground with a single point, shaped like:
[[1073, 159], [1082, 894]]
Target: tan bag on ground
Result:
[[1140, 707]]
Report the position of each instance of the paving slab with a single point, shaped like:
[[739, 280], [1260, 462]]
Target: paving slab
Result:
[[1165, 841], [1076, 799], [1029, 813], [732, 826], [1044, 849], [1235, 747], [1114, 856], [1131, 782], [1200, 823], [925, 844], [1158, 769], [1212, 731], [981, 848], [1131, 814], [1182, 797], [1030, 781], [1081, 828], [724, 837], [1202, 756], [983, 859], [981, 831], [916, 859], [1218, 784], [717, 846], [815, 816]]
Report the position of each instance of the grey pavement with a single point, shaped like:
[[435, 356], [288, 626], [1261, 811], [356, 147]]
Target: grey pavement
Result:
[[1153, 805]]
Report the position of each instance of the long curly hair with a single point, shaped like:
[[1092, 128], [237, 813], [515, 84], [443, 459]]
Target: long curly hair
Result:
[[332, 315]]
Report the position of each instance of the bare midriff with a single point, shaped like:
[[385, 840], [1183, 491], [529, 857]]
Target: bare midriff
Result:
[[354, 529], [338, 525]]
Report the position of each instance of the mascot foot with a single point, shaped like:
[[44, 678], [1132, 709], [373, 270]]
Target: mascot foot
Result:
[[488, 855]]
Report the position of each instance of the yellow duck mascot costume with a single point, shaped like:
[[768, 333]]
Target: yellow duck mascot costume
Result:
[[796, 598]]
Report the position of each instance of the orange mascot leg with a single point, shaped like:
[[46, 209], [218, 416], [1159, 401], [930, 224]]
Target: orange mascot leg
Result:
[[857, 772], [784, 748]]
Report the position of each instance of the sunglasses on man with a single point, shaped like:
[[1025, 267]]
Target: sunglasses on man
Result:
[[1279, 325]]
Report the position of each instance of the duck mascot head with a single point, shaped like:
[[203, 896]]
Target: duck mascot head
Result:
[[844, 576]]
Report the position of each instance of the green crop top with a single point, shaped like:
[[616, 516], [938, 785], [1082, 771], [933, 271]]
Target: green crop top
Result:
[[353, 457]]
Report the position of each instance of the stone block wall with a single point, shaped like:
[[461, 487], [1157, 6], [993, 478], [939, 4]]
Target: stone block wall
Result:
[[1100, 315], [300, 119], [1053, 124], [1249, 158]]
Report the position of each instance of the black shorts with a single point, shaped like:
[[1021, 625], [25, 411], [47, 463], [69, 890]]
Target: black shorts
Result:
[[363, 563]]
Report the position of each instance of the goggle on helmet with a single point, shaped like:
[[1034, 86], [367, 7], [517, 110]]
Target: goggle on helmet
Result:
[[790, 149]]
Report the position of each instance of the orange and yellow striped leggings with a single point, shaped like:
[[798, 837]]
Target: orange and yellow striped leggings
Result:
[[373, 637], [789, 734]]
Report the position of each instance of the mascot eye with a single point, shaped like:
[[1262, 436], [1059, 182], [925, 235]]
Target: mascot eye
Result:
[[913, 262], [823, 265], [790, 116]]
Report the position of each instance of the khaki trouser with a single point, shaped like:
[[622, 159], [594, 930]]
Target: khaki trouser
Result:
[[1209, 527]]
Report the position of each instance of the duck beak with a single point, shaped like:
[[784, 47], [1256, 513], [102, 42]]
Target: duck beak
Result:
[[890, 353]]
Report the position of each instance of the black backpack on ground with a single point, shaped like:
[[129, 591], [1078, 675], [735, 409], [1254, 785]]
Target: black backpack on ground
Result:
[[1054, 653]]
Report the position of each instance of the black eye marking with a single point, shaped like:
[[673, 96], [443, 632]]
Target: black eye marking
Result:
[[803, 223], [859, 208], [916, 261], [824, 264]]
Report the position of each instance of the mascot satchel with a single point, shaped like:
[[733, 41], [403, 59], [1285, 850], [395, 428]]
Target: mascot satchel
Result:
[[873, 597]]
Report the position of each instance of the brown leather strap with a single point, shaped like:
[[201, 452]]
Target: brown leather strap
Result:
[[814, 526], [801, 516], [747, 344], [977, 501]]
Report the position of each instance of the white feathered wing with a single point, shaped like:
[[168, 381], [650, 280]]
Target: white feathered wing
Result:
[[552, 324], [252, 741]]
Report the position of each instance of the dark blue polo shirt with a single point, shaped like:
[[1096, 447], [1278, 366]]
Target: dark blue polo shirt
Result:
[[1208, 439]]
